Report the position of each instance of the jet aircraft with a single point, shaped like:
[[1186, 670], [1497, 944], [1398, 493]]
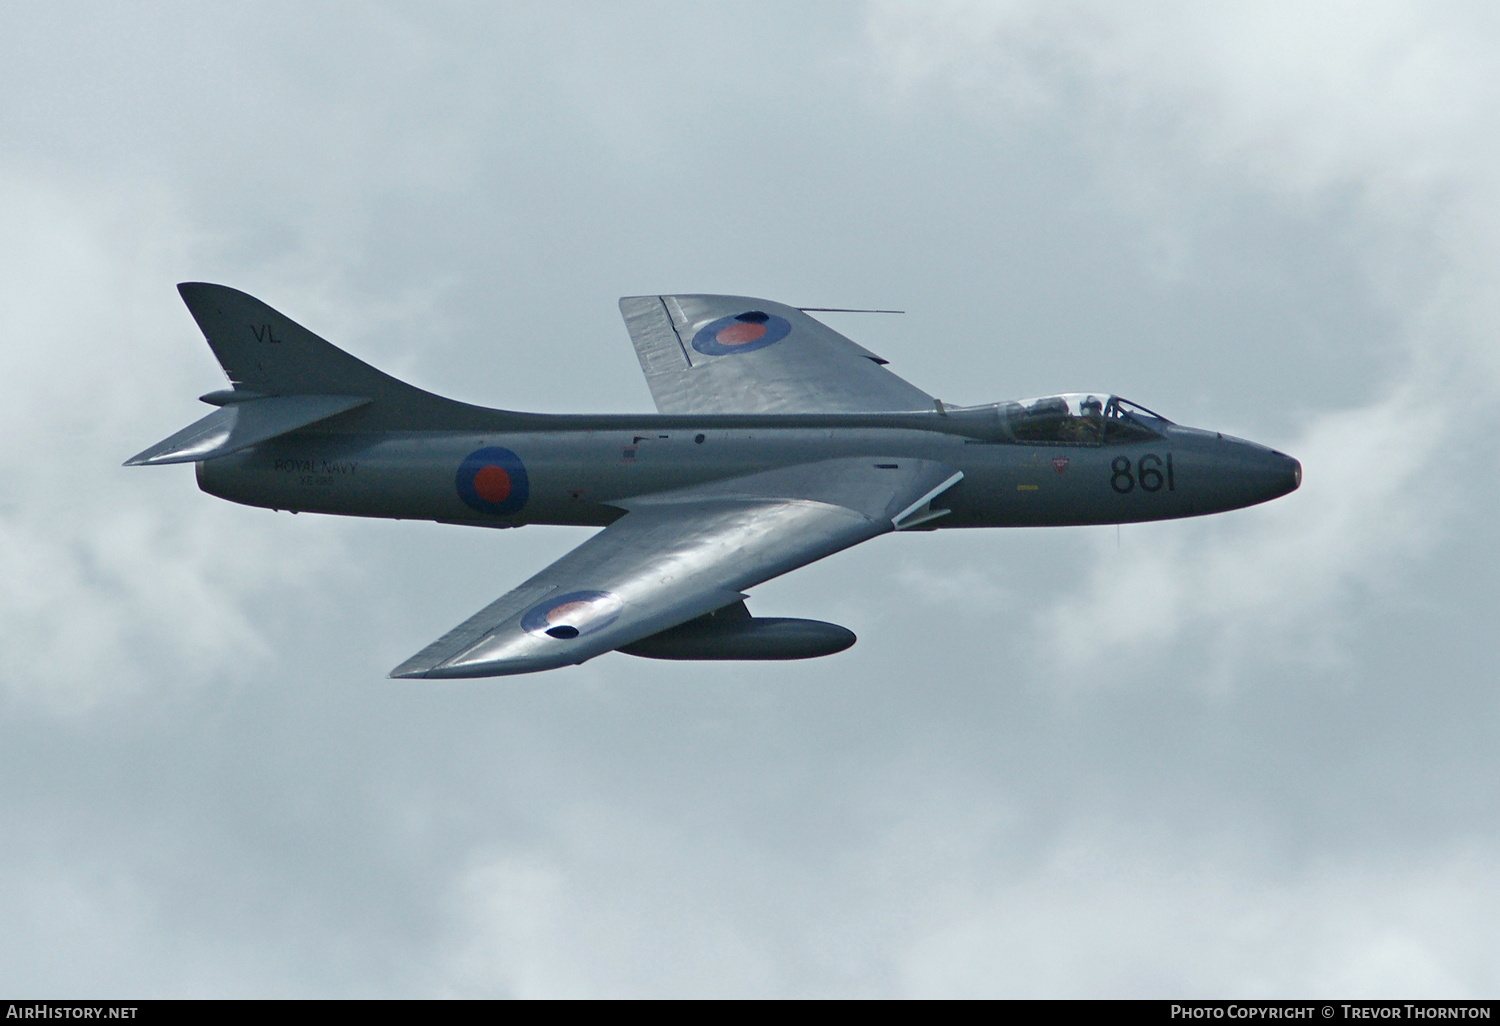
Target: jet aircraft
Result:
[[777, 441]]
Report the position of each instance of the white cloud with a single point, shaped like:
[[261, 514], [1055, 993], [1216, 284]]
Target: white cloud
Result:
[[1108, 917], [948, 909], [112, 580], [569, 923], [1311, 95]]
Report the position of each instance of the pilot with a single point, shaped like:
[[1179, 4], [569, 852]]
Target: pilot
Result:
[[1091, 407]]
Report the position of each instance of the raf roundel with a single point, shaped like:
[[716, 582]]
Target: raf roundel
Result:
[[742, 333], [572, 614], [493, 480]]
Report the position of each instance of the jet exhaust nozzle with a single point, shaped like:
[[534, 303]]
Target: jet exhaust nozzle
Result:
[[748, 638]]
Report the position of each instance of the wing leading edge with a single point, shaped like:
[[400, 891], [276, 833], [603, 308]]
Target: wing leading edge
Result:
[[735, 354], [678, 555]]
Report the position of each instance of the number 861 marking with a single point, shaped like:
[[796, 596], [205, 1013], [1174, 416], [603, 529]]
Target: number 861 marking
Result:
[[1148, 474]]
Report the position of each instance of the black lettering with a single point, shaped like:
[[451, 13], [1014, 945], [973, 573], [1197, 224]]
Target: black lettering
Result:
[[1148, 471]]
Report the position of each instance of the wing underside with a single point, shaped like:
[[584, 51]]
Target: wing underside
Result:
[[735, 354], [676, 556]]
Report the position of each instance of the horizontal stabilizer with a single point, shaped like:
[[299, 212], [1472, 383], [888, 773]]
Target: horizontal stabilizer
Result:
[[241, 425]]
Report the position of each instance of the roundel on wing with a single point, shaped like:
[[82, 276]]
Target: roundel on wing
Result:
[[493, 480], [741, 333], [572, 614]]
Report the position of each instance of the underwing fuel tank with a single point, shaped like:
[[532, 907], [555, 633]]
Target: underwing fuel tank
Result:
[[732, 633]]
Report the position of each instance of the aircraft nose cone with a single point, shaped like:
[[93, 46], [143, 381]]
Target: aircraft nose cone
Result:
[[1292, 471], [1285, 472]]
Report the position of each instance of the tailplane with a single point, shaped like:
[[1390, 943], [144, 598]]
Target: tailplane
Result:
[[242, 423]]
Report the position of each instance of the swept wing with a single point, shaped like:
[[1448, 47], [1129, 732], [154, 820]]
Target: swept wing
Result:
[[735, 354], [678, 555]]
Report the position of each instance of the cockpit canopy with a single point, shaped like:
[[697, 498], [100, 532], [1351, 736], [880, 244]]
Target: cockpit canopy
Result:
[[1079, 418]]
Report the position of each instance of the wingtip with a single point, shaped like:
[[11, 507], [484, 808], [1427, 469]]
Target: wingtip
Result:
[[150, 458], [415, 668]]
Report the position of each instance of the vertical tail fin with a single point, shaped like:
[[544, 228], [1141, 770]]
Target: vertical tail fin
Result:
[[264, 351], [286, 379]]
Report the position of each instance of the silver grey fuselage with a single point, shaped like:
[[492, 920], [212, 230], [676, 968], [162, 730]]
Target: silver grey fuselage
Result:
[[575, 474]]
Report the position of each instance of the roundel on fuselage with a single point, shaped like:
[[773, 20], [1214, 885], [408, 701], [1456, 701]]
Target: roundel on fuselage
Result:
[[741, 333], [493, 480]]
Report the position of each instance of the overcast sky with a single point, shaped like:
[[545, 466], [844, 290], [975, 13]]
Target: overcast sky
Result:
[[1253, 754]]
